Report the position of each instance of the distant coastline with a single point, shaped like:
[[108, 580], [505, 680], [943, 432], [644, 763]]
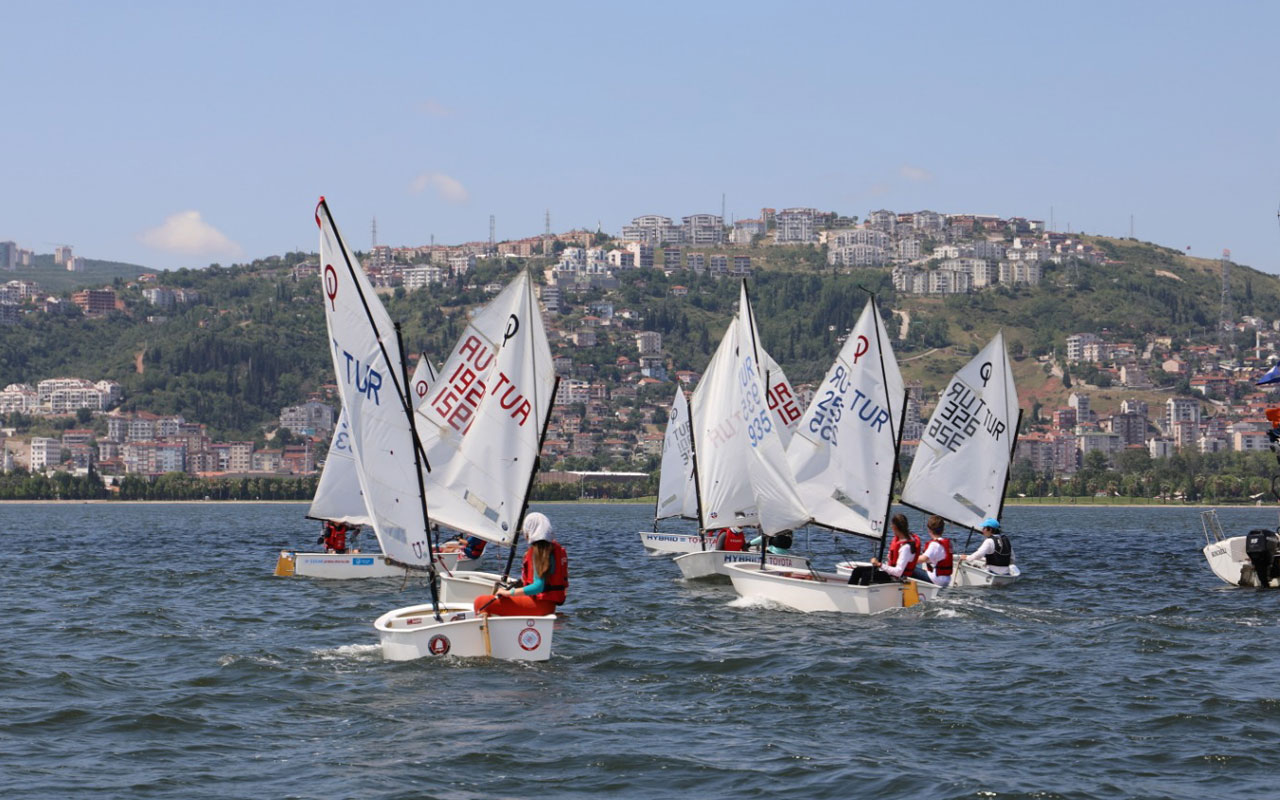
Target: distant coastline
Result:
[[1047, 502]]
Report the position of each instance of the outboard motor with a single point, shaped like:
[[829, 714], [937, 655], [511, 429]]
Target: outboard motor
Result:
[[1262, 547]]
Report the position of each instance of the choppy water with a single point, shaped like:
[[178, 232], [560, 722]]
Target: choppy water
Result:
[[149, 652]]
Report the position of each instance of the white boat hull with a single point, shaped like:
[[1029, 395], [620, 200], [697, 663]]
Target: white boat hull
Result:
[[465, 587], [413, 632], [656, 542], [964, 575], [1228, 560], [347, 566], [710, 563], [827, 592], [969, 575]]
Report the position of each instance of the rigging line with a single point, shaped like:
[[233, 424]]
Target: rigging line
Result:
[[537, 461], [697, 482]]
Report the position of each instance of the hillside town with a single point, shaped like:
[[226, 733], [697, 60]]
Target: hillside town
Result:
[[1185, 395]]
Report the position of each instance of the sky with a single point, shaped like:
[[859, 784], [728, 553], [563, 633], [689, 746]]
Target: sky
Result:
[[180, 134]]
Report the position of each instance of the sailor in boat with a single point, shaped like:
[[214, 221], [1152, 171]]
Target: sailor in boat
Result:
[[903, 552], [334, 538], [935, 564], [730, 540], [544, 576], [995, 549], [779, 543], [469, 546]]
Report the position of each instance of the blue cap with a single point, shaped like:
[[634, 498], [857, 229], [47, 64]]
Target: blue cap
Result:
[[991, 522]]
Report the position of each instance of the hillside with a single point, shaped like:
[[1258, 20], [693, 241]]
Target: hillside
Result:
[[255, 340], [55, 279]]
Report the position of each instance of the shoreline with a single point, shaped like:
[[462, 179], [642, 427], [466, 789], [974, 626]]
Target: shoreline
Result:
[[1021, 502]]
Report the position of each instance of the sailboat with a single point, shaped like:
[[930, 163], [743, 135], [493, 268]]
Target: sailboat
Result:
[[739, 459], [961, 469], [487, 435], [338, 498], [677, 493], [486, 420], [844, 459], [393, 472]]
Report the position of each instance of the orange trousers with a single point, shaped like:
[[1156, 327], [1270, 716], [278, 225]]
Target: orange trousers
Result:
[[520, 605]]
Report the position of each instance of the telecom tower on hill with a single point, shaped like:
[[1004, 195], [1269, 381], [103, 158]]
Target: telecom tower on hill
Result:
[[1226, 342]]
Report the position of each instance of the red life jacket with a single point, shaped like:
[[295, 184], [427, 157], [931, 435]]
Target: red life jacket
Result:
[[473, 547], [557, 582], [734, 541], [915, 549], [943, 567], [336, 538]]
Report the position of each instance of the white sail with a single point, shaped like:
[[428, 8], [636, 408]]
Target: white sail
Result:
[[677, 495], [368, 365], [782, 398], [960, 468], [844, 450], [449, 406], [778, 503], [482, 421], [719, 436], [338, 495]]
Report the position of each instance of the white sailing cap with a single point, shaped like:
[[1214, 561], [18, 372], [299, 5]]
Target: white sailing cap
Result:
[[537, 528]]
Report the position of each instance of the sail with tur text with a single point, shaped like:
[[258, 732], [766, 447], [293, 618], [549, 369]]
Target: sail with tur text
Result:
[[480, 423], [369, 368], [677, 495], [965, 451], [845, 448]]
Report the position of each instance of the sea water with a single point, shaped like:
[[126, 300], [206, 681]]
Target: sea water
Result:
[[149, 652]]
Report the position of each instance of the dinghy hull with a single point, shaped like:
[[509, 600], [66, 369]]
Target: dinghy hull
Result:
[[465, 587], [972, 575], [412, 632], [347, 566], [714, 563], [828, 592], [656, 542], [965, 575]]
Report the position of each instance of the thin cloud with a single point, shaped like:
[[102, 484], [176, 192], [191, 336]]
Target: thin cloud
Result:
[[186, 233], [432, 108], [915, 173], [448, 189]]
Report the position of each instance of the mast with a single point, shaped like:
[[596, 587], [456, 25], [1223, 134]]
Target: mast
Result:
[[418, 458], [1008, 470], [750, 321], [697, 488], [400, 382], [537, 462], [542, 437], [894, 433]]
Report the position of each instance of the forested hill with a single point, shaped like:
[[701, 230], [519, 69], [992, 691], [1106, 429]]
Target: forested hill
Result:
[[55, 279], [255, 340]]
